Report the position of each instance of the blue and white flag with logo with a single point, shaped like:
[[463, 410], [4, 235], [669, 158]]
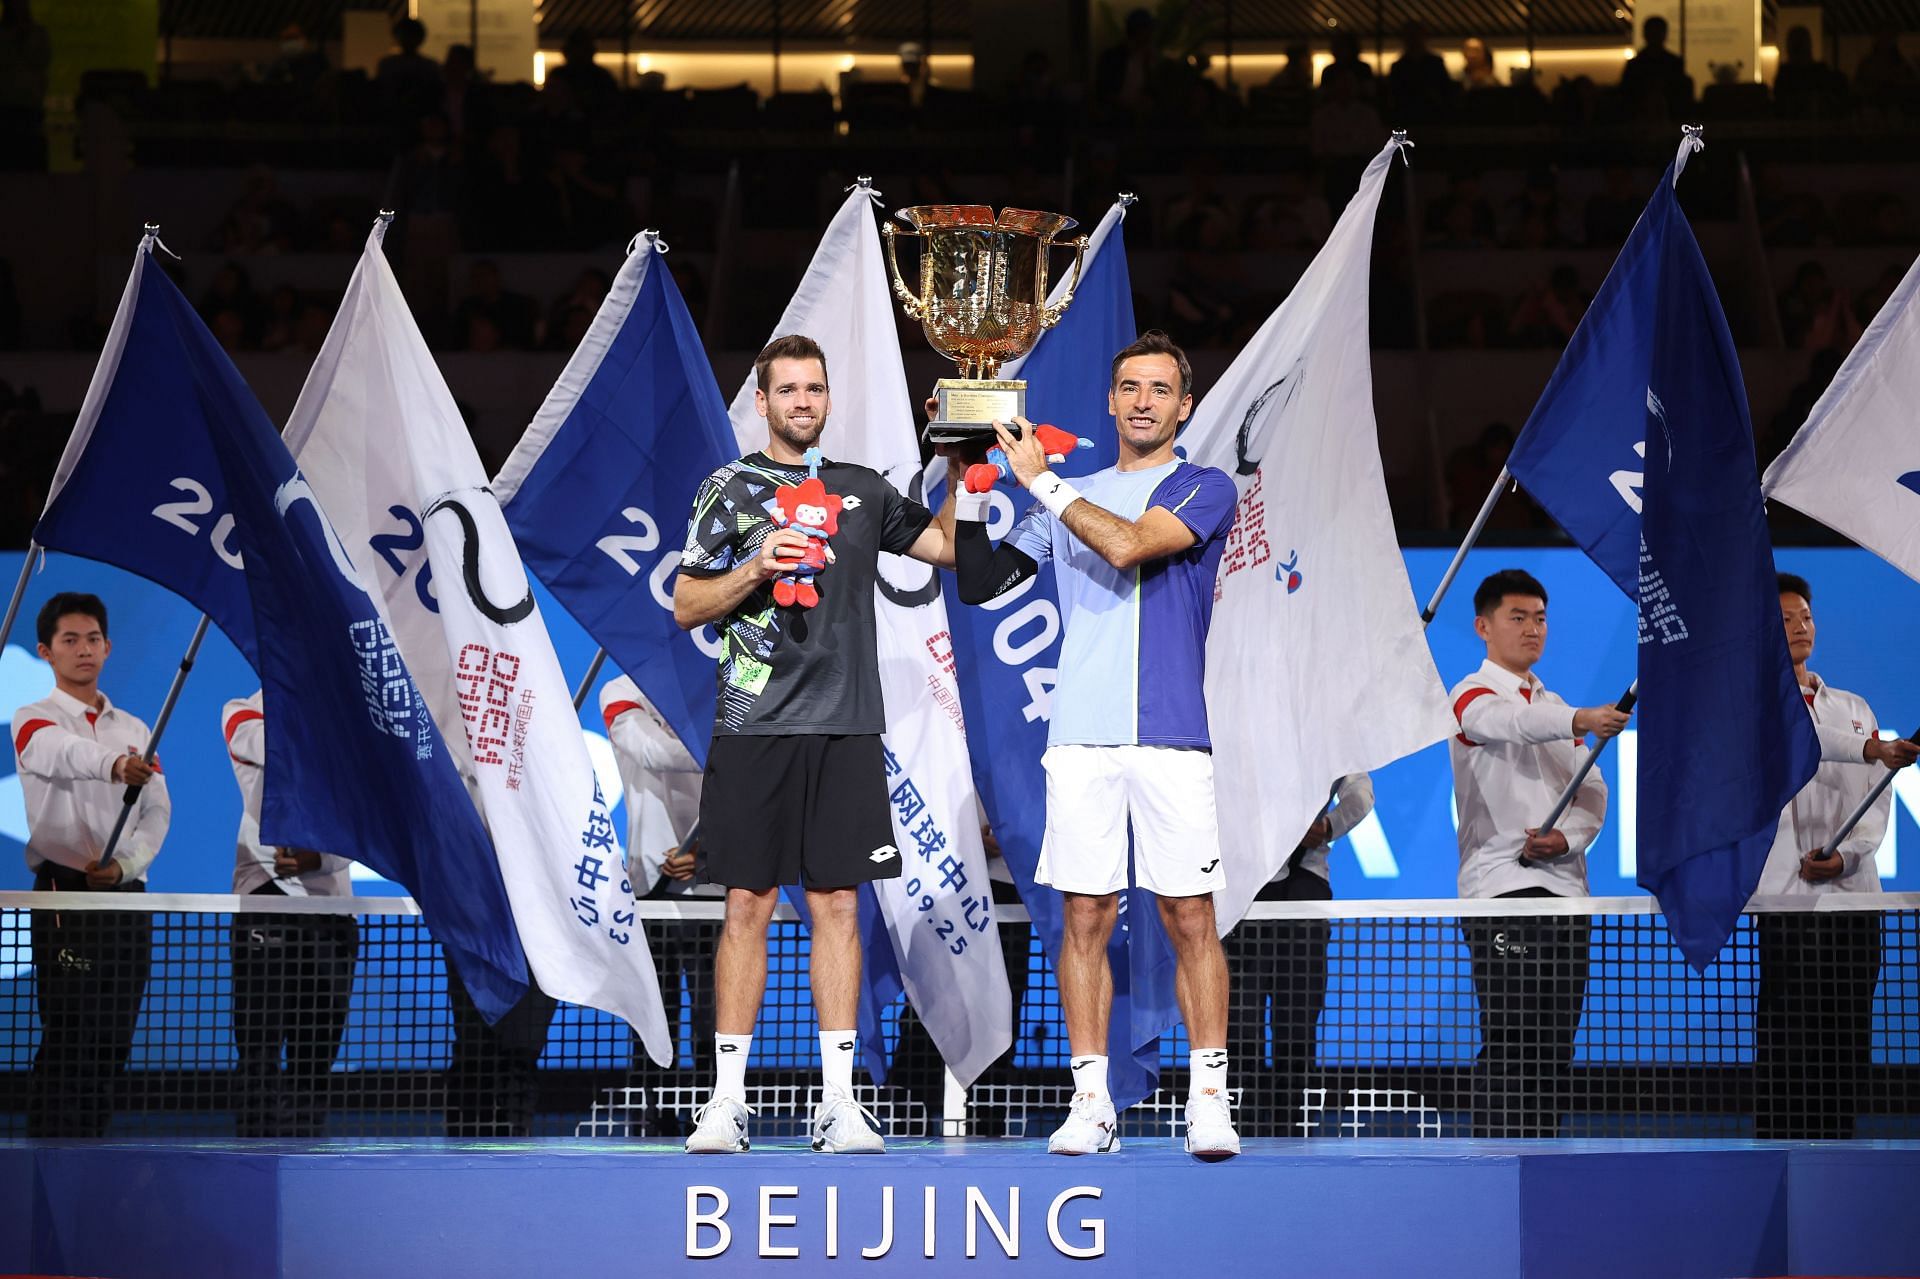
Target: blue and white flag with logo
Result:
[[939, 911], [1642, 448], [1009, 653], [598, 487], [1855, 464], [383, 443], [175, 473], [1317, 663]]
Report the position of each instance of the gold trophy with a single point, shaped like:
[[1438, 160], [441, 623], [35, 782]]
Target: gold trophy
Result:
[[982, 302]]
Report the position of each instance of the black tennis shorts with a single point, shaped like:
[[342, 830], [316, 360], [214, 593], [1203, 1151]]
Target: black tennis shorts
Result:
[[807, 810]]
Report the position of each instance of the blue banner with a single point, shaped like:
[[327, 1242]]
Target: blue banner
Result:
[[598, 489], [182, 479], [1642, 448], [1009, 649]]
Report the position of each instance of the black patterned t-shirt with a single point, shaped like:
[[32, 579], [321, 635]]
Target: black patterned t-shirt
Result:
[[800, 670]]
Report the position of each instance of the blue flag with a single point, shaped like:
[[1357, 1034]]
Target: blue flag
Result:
[[1642, 449], [175, 473], [597, 490], [1009, 649]]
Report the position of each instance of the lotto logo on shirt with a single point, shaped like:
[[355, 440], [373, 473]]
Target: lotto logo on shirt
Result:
[[485, 679]]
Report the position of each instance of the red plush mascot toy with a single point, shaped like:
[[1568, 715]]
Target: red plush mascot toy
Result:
[[808, 507]]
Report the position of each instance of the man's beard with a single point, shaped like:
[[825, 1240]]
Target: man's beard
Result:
[[799, 439]]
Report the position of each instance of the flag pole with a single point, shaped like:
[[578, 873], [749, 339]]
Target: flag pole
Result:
[[19, 592], [132, 795], [1460, 556], [1873, 796], [1624, 705], [593, 673]]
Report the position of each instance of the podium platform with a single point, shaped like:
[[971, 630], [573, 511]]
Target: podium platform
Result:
[[1323, 1208]]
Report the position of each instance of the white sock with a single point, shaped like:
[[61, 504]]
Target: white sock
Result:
[[836, 1059], [1090, 1075], [1208, 1068], [730, 1057]]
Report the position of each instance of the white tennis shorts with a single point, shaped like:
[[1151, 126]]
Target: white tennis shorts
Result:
[[1167, 794]]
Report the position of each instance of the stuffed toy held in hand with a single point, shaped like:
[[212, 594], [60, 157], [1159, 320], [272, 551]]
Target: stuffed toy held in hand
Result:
[[808, 507], [982, 476]]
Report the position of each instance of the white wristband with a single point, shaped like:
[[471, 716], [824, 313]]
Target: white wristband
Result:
[[1053, 493], [972, 506]]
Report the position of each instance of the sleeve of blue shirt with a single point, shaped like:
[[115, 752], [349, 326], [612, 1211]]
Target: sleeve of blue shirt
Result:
[[1033, 535], [1204, 499]]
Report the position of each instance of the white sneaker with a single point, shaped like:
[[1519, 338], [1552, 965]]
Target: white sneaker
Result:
[[1091, 1128], [842, 1126], [719, 1128], [1210, 1133]]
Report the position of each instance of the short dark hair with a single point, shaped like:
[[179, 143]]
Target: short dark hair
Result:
[[1508, 581], [1154, 342], [1794, 584], [63, 604], [794, 346], [1654, 30]]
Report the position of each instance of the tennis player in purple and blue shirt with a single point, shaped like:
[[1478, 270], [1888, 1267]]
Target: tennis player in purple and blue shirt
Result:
[[1135, 550]]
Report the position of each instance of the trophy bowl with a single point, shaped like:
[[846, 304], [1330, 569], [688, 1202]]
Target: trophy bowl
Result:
[[982, 301]]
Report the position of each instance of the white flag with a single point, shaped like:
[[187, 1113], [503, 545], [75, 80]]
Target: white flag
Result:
[[1317, 665], [1855, 465], [939, 911], [382, 443]]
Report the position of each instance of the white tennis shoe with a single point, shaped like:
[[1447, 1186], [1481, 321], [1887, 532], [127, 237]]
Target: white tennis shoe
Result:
[[719, 1128], [842, 1126], [1091, 1128], [1210, 1133]]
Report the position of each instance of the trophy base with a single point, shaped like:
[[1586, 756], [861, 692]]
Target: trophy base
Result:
[[970, 406]]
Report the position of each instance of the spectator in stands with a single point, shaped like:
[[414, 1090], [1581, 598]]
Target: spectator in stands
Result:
[[662, 784], [467, 102], [1279, 969], [1813, 1015], [573, 312], [1885, 80], [1293, 217], [292, 974], [1613, 210], [77, 754], [1418, 84], [430, 178], [1462, 218], [261, 220], [231, 293], [1517, 748], [512, 315], [1821, 366], [1547, 316], [1789, 214], [581, 209], [593, 91], [1479, 72], [1814, 314], [1295, 76], [506, 212], [410, 83], [1196, 217], [1346, 57], [25, 54], [280, 318], [1655, 81], [1344, 134], [1473, 469], [1533, 217], [1874, 296], [298, 66], [1129, 75], [1805, 88]]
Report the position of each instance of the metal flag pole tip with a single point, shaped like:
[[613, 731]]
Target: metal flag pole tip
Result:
[[1127, 199], [385, 215]]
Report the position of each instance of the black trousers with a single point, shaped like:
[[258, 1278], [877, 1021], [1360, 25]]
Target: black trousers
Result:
[[1813, 1023], [292, 988], [1279, 987], [1530, 974], [491, 1083], [89, 976]]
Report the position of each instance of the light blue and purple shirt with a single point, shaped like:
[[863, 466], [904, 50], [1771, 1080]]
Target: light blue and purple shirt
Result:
[[1134, 659]]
